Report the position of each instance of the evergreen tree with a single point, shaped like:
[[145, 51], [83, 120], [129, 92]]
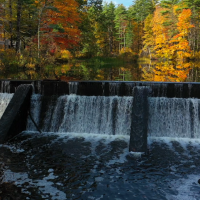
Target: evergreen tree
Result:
[[120, 25], [109, 24]]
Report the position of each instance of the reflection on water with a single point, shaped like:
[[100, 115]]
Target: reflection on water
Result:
[[94, 69], [169, 71], [91, 166], [115, 69]]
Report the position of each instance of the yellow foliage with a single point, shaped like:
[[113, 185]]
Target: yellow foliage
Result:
[[128, 52], [66, 55], [65, 68], [30, 65], [196, 55]]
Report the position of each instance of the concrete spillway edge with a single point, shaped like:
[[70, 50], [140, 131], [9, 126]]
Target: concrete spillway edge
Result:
[[14, 118]]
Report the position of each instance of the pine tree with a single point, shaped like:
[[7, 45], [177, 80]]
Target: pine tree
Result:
[[109, 24], [120, 25]]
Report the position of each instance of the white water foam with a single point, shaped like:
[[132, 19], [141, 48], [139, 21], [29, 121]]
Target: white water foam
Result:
[[95, 140], [184, 186], [73, 87], [86, 114], [174, 117], [184, 142], [13, 149], [4, 101], [5, 87], [45, 185], [114, 88]]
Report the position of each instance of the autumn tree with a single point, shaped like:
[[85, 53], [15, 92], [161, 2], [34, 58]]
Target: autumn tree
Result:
[[161, 35], [148, 38], [184, 25]]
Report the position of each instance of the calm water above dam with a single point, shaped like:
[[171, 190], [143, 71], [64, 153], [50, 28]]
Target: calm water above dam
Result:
[[114, 70]]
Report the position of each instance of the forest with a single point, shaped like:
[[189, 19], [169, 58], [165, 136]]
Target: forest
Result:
[[64, 38]]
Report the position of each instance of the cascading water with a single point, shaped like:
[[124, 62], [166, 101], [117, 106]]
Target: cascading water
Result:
[[4, 101], [73, 87], [84, 114], [93, 166], [168, 117], [179, 89], [35, 109], [5, 87], [114, 88], [161, 89], [174, 117], [130, 88]]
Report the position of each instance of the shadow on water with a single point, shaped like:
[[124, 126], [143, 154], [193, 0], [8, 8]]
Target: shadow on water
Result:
[[90, 166]]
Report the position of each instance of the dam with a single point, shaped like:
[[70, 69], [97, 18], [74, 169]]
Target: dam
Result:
[[138, 138]]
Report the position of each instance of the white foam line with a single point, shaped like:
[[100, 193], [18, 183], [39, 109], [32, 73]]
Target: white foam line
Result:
[[85, 136], [13, 149], [45, 185], [183, 141], [121, 158]]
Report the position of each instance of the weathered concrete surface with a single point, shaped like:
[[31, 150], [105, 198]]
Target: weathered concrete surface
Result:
[[49, 88], [14, 118], [139, 126], [105, 88], [10, 86]]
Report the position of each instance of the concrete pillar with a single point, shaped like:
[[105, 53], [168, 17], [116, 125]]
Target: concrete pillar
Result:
[[14, 118], [139, 126]]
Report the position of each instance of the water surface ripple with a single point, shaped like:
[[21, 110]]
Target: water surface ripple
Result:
[[90, 166]]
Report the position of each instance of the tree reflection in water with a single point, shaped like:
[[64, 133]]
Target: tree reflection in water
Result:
[[112, 70]]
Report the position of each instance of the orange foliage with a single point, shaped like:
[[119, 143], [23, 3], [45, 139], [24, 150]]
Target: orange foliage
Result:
[[181, 44], [160, 34], [167, 43], [168, 72], [62, 23], [184, 22]]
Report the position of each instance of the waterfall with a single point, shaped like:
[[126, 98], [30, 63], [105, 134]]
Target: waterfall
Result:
[[179, 89], [160, 90], [4, 101], [174, 117], [5, 87], [73, 87], [130, 88], [85, 114], [113, 115], [35, 109], [114, 88]]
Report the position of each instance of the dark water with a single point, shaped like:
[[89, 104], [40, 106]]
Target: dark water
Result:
[[109, 69], [92, 166], [89, 69]]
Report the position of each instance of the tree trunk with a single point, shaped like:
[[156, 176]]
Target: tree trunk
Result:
[[110, 39], [10, 23], [39, 38], [18, 40]]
